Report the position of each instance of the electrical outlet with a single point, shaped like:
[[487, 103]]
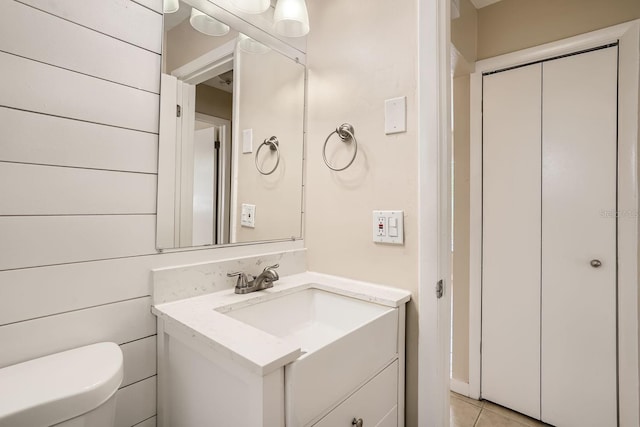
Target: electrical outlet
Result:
[[388, 227], [248, 215], [382, 226]]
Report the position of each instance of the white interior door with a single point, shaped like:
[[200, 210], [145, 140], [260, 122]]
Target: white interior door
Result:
[[578, 226], [511, 239], [205, 184], [169, 124], [184, 157]]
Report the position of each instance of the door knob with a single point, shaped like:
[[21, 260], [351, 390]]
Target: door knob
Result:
[[357, 423], [595, 263]]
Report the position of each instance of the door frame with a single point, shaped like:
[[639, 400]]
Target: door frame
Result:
[[223, 180], [434, 210], [628, 36]]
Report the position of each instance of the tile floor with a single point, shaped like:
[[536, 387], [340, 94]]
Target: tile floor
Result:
[[465, 412]]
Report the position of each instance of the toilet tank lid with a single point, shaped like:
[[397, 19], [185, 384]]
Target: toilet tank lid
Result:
[[60, 386]]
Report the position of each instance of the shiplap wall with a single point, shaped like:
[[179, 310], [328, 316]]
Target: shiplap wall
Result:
[[79, 106]]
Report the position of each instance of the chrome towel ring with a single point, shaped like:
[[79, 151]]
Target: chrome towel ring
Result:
[[273, 144], [346, 133]]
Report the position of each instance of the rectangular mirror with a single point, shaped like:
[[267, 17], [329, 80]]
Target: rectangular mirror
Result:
[[231, 136]]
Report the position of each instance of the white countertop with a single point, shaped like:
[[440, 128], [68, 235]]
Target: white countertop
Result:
[[256, 350]]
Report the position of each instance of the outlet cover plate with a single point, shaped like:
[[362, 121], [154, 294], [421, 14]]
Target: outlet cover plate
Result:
[[248, 215], [388, 227]]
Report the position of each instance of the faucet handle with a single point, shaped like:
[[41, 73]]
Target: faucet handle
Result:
[[243, 280], [271, 267], [272, 270]]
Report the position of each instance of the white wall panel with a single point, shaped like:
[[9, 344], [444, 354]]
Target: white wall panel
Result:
[[34, 86], [39, 138], [136, 403], [511, 239], [43, 291], [151, 4], [29, 241], [78, 118], [139, 360], [122, 19], [71, 46], [119, 322], [52, 190]]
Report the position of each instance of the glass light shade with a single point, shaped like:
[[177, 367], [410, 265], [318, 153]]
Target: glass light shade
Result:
[[249, 45], [291, 18], [170, 6], [253, 7], [206, 24]]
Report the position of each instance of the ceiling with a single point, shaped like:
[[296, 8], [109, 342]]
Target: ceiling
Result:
[[223, 82], [482, 3]]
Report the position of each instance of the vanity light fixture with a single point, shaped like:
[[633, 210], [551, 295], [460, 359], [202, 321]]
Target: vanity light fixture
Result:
[[253, 7], [249, 45], [206, 24], [291, 18], [170, 6]]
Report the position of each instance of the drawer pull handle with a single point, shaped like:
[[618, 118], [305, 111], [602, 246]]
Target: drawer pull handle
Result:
[[357, 423]]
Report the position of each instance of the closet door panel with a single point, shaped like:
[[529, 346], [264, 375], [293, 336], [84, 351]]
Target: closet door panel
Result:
[[511, 239], [579, 225]]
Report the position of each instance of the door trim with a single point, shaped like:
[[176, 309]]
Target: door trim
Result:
[[628, 36], [434, 202]]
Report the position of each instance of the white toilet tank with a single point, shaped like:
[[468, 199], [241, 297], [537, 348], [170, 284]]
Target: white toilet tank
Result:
[[75, 388]]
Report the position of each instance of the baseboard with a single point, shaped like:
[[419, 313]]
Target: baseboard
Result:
[[459, 387]]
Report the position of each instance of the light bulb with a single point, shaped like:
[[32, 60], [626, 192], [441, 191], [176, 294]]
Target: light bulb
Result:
[[291, 18], [206, 24], [170, 6], [249, 45]]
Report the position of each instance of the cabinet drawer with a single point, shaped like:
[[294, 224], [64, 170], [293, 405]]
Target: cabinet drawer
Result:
[[375, 402], [346, 364]]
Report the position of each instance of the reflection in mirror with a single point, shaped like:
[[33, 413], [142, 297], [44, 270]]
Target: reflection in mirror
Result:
[[223, 100]]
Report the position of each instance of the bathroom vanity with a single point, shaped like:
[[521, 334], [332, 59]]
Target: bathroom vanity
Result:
[[314, 350]]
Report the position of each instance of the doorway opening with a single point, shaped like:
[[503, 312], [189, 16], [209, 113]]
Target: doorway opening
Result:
[[466, 344]]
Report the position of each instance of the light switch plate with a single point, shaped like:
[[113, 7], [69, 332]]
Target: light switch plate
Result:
[[388, 227], [395, 115], [248, 216], [247, 141]]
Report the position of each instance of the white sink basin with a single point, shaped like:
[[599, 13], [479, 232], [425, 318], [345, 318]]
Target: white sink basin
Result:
[[344, 342], [310, 318]]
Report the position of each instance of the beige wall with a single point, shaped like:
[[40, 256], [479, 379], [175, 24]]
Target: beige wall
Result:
[[359, 55], [511, 25], [271, 103], [183, 44], [464, 31], [460, 258], [464, 38], [214, 102]]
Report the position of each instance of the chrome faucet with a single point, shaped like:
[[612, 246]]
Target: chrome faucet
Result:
[[247, 283]]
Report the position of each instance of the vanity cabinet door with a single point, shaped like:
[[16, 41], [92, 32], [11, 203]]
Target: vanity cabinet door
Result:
[[375, 403]]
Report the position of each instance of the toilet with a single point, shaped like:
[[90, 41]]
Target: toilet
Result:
[[75, 388]]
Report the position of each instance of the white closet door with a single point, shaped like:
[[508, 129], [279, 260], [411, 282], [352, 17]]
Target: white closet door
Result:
[[511, 239], [578, 201]]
